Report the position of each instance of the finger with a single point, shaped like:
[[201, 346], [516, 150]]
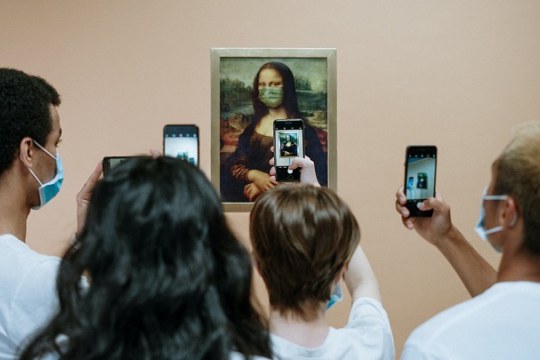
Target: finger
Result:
[[272, 171], [409, 223], [272, 148], [155, 153], [400, 196], [298, 162], [431, 204], [271, 161], [90, 183], [402, 210]]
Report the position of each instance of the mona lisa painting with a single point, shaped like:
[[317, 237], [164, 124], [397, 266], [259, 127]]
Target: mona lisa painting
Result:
[[250, 89]]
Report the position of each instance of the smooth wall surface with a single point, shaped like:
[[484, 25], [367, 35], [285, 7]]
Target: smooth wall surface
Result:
[[457, 74]]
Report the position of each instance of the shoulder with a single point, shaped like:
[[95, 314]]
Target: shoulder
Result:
[[368, 331], [481, 320], [29, 288], [19, 264], [367, 309]]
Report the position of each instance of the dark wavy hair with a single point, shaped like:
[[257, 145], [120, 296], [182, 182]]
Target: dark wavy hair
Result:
[[290, 100], [168, 279], [25, 102]]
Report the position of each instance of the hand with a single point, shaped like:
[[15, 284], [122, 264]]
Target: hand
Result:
[[155, 153], [83, 197], [261, 179], [251, 191], [307, 173], [434, 229]]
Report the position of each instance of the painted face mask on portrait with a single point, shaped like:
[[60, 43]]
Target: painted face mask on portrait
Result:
[[48, 190], [272, 97]]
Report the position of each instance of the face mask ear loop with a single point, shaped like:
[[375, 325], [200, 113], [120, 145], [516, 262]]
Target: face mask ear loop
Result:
[[514, 220], [35, 177]]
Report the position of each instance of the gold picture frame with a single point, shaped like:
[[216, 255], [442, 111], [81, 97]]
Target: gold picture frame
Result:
[[235, 108]]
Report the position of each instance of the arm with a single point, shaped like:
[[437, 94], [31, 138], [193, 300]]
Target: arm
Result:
[[360, 278], [474, 271]]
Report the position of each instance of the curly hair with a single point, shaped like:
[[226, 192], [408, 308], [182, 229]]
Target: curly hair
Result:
[[168, 279], [25, 102]]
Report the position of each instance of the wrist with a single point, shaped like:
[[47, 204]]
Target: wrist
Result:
[[449, 240]]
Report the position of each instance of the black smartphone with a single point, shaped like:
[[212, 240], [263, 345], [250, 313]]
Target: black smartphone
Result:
[[288, 144], [420, 176], [182, 141], [110, 162]]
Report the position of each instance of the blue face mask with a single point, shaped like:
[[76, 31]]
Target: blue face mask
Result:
[[50, 189], [479, 228], [336, 297]]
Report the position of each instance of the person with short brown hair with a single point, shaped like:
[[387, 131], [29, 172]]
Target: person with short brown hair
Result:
[[305, 240]]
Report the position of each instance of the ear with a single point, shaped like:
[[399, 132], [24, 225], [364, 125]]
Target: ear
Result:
[[341, 274], [26, 151], [511, 213]]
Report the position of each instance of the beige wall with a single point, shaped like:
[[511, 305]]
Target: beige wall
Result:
[[458, 74]]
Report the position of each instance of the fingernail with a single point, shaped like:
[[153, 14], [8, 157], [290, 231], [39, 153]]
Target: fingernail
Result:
[[420, 205]]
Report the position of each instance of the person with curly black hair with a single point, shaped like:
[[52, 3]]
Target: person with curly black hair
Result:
[[31, 174], [167, 280]]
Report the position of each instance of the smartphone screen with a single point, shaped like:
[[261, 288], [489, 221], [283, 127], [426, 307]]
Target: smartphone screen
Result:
[[110, 162], [288, 144], [420, 175], [182, 141]]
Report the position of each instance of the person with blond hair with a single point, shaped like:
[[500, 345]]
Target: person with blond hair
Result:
[[502, 320]]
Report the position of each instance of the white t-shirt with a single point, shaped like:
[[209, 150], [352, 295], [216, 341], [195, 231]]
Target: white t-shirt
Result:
[[501, 323], [367, 336], [27, 293]]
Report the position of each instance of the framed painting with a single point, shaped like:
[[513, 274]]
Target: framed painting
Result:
[[250, 89]]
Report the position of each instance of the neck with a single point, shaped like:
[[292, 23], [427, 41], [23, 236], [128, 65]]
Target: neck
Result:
[[278, 113], [307, 333], [14, 210], [520, 265]]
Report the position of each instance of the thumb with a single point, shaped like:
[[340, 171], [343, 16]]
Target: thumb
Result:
[[431, 204]]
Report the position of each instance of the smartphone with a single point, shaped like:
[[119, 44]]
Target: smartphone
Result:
[[110, 162], [288, 144], [420, 176], [182, 141]]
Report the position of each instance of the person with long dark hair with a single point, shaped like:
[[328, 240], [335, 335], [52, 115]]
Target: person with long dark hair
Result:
[[167, 279], [273, 97]]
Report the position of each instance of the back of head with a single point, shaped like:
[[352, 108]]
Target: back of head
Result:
[[158, 253], [302, 237], [518, 174], [25, 102]]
